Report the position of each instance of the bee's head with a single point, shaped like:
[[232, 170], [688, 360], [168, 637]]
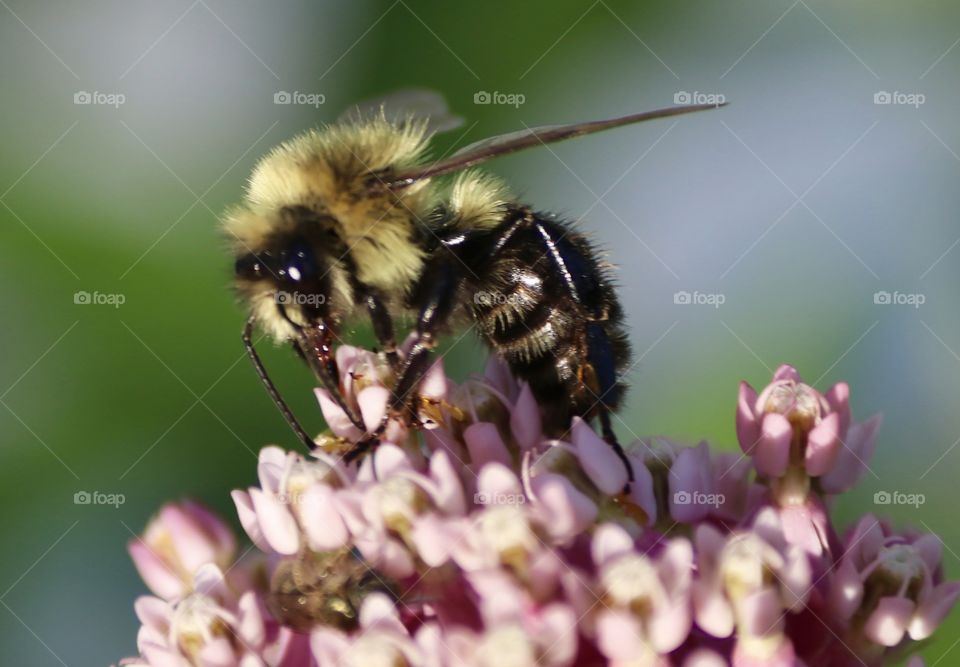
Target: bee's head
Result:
[[290, 275]]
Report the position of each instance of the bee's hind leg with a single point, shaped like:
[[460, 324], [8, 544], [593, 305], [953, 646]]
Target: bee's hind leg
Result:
[[611, 439]]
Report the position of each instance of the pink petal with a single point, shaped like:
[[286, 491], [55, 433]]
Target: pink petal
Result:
[[670, 625], [192, 545], [748, 427], [433, 539], [609, 541], [277, 523], [854, 456], [930, 549], [598, 459], [888, 622], [846, 590], [823, 443], [761, 613], [711, 609], [703, 657], [378, 611], [434, 383], [251, 627], [558, 632], [687, 482], [786, 372], [838, 398], [321, 522], [248, 518], [449, 495], [800, 528], [496, 482], [641, 490], [525, 419], [153, 613], [156, 574], [567, 510], [933, 609], [337, 420], [620, 637], [271, 463], [373, 406], [327, 645], [485, 444], [772, 452]]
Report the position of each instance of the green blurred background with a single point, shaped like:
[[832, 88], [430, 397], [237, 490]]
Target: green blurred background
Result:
[[797, 204]]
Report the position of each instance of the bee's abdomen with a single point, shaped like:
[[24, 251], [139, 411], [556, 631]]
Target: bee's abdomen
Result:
[[544, 302]]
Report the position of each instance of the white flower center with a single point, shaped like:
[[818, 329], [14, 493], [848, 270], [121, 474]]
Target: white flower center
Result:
[[197, 619], [374, 651], [631, 581], [796, 401], [506, 646]]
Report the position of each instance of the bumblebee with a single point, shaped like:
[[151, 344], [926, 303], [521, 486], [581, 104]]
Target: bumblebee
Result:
[[351, 220], [328, 588]]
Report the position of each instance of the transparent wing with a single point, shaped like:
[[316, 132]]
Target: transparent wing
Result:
[[402, 105], [487, 149]]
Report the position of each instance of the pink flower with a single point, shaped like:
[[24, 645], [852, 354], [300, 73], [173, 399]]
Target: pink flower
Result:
[[893, 581], [182, 537], [748, 582], [479, 541]]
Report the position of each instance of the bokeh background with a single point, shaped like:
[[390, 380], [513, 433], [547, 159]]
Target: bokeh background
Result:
[[793, 206]]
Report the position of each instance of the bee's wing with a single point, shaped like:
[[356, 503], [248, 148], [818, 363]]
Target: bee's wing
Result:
[[487, 149], [402, 106]]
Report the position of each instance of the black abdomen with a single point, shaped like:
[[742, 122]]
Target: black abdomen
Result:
[[544, 301]]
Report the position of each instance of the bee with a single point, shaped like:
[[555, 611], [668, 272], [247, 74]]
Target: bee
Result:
[[327, 588], [351, 220]]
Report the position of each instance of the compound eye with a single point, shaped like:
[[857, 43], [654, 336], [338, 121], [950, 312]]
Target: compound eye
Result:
[[249, 267], [300, 265]]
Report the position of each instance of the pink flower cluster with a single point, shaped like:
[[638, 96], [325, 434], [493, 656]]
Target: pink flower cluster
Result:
[[480, 541]]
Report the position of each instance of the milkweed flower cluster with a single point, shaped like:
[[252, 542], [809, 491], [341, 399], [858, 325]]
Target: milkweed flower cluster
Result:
[[478, 540]]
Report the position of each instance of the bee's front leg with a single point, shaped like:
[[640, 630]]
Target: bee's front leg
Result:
[[436, 297]]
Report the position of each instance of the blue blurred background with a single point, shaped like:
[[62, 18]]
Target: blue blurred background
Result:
[[830, 181]]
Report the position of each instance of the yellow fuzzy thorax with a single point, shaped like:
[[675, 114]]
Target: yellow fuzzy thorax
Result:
[[328, 171]]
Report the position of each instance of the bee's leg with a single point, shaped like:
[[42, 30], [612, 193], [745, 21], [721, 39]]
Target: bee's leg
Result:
[[315, 346], [383, 329], [271, 388], [437, 300], [611, 439], [314, 342]]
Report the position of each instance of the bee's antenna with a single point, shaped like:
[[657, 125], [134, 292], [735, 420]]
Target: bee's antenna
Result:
[[271, 388]]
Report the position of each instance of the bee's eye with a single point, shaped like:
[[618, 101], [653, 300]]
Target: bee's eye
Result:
[[300, 263], [249, 267]]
